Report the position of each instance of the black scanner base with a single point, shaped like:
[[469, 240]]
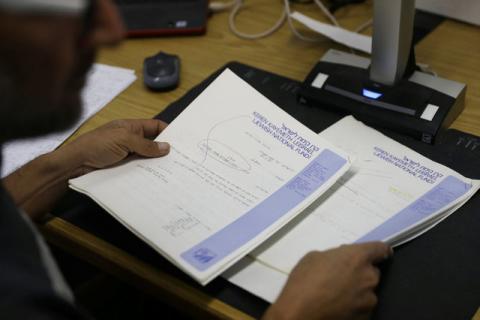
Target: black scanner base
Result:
[[349, 90]]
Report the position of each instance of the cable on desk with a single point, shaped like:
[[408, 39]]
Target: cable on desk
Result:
[[236, 5], [326, 12], [364, 26], [231, 21], [217, 6]]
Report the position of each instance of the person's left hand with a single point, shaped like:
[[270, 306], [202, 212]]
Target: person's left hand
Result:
[[113, 142]]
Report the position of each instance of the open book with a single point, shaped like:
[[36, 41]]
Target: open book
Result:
[[239, 169], [391, 193]]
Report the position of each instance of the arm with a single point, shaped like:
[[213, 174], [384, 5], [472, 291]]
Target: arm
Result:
[[38, 185], [334, 284]]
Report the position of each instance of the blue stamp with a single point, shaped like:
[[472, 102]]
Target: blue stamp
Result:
[[204, 255]]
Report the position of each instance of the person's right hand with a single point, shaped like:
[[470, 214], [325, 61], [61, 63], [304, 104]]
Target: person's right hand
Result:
[[334, 284]]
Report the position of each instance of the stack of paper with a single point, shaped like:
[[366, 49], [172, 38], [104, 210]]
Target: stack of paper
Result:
[[391, 193], [103, 84], [239, 169]]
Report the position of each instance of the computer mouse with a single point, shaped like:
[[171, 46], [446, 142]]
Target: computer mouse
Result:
[[161, 72]]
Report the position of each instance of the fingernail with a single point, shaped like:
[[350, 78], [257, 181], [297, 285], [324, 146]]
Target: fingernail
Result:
[[163, 146]]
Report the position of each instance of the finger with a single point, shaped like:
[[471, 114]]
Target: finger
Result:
[[376, 273], [372, 276], [147, 148], [150, 128], [153, 127], [368, 301], [376, 252]]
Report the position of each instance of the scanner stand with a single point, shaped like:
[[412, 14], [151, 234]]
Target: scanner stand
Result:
[[421, 105]]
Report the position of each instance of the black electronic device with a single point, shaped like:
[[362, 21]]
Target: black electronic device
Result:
[[161, 72], [163, 17], [420, 106], [386, 91]]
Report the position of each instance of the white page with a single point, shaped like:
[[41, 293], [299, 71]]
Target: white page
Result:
[[234, 175], [103, 84], [351, 39], [257, 278], [375, 200]]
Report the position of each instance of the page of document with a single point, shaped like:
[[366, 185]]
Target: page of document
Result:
[[239, 169], [103, 84], [391, 193]]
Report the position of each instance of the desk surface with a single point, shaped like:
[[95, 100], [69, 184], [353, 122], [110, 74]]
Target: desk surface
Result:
[[452, 50]]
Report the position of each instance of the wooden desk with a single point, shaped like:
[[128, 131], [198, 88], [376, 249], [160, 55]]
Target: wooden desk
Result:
[[452, 50]]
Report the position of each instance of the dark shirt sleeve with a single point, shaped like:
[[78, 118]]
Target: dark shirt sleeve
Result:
[[27, 290]]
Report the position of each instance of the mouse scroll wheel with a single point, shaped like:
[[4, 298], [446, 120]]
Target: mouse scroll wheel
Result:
[[160, 68]]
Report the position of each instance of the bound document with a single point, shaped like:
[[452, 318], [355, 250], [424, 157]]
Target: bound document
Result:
[[239, 169], [391, 193]]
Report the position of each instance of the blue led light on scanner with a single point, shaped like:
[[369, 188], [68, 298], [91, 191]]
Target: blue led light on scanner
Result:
[[371, 94]]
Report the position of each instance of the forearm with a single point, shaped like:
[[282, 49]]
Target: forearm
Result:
[[38, 185]]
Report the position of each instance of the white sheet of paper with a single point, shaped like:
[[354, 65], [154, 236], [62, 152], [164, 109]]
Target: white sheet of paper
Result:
[[389, 189], [239, 168], [351, 39], [104, 83]]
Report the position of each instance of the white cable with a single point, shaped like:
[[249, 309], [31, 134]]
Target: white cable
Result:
[[425, 68], [236, 6], [233, 14], [231, 21], [326, 12], [285, 17], [218, 6], [363, 26]]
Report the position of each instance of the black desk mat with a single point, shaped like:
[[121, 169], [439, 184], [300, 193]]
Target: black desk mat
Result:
[[436, 276]]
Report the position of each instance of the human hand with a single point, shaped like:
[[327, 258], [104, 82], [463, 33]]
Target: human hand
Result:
[[38, 185], [114, 141], [334, 284]]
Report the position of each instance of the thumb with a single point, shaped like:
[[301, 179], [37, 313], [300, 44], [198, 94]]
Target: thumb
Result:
[[147, 148]]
